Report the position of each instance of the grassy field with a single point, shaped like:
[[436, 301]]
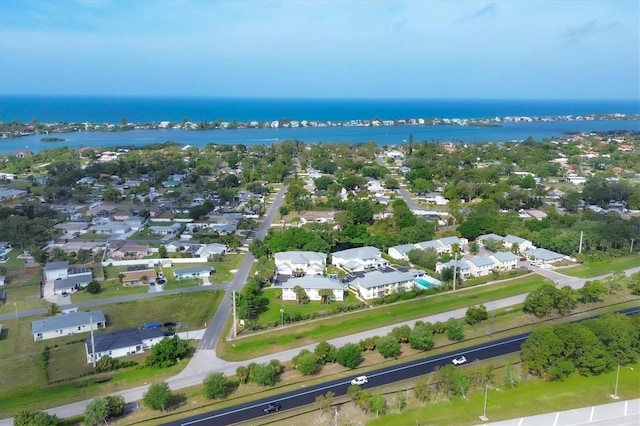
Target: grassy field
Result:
[[23, 288], [23, 382], [290, 306], [595, 268], [528, 398], [354, 322]]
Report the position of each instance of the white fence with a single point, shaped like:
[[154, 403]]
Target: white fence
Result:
[[153, 262]]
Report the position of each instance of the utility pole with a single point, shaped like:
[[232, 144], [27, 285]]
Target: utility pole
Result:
[[631, 249], [580, 248], [93, 342], [235, 319], [455, 269], [615, 390], [483, 417]]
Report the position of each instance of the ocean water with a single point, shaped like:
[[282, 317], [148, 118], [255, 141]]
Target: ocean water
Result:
[[144, 110]]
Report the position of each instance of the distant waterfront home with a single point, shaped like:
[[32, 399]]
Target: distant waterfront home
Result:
[[358, 259], [371, 285], [122, 343], [199, 271], [298, 263], [67, 324], [312, 284]]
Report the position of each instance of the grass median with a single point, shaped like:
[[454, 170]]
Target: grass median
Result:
[[379, 316]]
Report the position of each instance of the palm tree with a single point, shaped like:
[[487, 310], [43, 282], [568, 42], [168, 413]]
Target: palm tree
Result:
[[54, 309]]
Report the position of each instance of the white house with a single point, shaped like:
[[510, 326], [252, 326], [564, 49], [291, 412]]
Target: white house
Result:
[[122, 343], [199, 271], [523, 245], [71, 284], [165, 230], [401, 252], [464, 269], [358, 259], [379, 283], [505, 260], [544, 256], [209, 250], [67, 324], [112, 228], [312, 284], [55, 270], [481, 265], [297, 263]]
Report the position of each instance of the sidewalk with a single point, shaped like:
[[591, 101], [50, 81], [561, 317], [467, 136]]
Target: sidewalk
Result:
[[618, 413]]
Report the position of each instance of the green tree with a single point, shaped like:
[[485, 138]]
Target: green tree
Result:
[[306, 362], [301, 295], [354, 392], [157, 396], [93, 287], [167, 352], [592, 291], [421, 338], [402, 333], [455, 330], [349, 355], [476, 314], [324, 401], [378, 404], [401, 401], [242, 374], [162, 252], [325, 295], [36, 418], [262, 374], [422, 390], [325, 352], [510, 377], [389, 347], [216, 386], [540, 302]]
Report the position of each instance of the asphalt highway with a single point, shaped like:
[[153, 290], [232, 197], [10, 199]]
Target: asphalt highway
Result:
[[307, 395]]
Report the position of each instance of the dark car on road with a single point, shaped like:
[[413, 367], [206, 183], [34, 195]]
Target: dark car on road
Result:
[[272, 406]]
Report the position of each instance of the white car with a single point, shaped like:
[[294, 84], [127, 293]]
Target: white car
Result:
[[360, 380], [460, 360]]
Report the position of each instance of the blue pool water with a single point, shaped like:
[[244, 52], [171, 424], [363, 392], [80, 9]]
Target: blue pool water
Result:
[[425, 284]]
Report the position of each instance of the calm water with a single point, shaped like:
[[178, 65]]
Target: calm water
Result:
[[145, 110], [381, 135]]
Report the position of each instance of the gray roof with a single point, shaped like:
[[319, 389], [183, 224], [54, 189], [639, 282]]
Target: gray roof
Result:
[[313, 282], [432, 244], [490, 237], [481, 261], [544, 254], [301, 256], [379, 278], [404, 248], [192, 270], [367, 252], [461, 264], [121, 339], [72, 281], [504, 256], [514, 239], [54, 266], [450, 240], [74, 319]]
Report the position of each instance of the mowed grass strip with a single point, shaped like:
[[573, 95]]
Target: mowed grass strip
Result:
[[342, 325], [596, 268], [527, 399], [22, 382]]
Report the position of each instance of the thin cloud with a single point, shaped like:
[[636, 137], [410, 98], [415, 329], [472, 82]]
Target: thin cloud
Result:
[[487, 11], [589, 28]]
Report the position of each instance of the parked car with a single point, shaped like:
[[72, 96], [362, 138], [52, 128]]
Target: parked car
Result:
[[360, 380], [272, 406], [459, 360], [170, 324]]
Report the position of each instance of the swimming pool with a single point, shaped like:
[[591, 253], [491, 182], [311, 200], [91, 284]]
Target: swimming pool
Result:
[[425, 284]]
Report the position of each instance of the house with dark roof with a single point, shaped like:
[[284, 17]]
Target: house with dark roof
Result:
[[67, 324], [121, 343]]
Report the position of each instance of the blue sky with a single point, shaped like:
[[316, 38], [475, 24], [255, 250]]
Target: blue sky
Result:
[[304, 49]]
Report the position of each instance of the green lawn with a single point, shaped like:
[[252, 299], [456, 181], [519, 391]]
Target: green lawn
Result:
[[595, 268], [108, 289], [22, 382], [527, 399], [23, 288], [291, 307], [341, 325]]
